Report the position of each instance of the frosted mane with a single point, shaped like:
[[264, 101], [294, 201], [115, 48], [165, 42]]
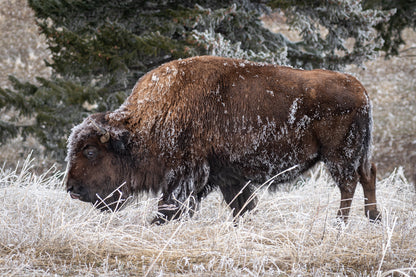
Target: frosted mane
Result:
[[80, 131], [87, 129]]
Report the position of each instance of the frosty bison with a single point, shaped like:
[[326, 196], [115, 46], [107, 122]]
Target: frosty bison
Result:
[[193, 125]]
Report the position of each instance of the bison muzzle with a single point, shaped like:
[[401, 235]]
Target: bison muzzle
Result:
[[192, 125]]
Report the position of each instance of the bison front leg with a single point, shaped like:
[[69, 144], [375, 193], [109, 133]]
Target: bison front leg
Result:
[[170, 208], [182, 192], [173, 204]]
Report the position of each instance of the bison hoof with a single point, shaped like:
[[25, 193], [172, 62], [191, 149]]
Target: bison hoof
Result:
[[373, 215], [159, 220]]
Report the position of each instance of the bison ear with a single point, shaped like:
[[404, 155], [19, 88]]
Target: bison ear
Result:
[[120, 145]]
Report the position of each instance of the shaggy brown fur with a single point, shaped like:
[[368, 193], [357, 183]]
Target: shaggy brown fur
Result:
[[204, 122]]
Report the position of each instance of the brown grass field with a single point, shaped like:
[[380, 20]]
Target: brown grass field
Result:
[[292, 232]]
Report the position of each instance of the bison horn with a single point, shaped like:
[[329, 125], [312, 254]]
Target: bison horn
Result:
[[105, 135], [105, 138]]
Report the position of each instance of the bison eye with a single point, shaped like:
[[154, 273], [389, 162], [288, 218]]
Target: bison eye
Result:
[[90, 152]]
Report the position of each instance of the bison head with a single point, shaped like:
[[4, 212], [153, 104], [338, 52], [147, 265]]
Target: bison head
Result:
[[97, 157]]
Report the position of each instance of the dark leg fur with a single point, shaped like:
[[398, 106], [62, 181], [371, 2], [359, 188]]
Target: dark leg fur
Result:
[[346, 178], [347, 185], [342, 158], [347, 193], [169, 208], [239, 198], [174, 203], [184, 192], [236, 190], [368, 181]]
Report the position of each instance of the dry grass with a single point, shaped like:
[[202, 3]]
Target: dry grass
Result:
[[290, 233]]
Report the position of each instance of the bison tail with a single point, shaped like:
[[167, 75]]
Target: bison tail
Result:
[[366, 169]]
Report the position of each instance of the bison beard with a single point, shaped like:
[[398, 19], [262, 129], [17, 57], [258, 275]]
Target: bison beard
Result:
[[193, 125]]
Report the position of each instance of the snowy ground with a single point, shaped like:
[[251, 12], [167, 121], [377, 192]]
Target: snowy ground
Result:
[[292, 232]]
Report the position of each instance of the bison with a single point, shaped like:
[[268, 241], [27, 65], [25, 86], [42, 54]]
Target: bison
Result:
[[193, 125]]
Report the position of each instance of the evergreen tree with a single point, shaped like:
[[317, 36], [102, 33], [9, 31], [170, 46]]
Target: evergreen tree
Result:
[[391, 30], [100, 48]]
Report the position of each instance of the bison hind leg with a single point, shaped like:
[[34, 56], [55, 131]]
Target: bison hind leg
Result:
[[347, 184], [347, 176], [368, 181], [344, 172], [239, 198]]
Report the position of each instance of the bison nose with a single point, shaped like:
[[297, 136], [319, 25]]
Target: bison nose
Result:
[[73, 194], [77, 191]]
